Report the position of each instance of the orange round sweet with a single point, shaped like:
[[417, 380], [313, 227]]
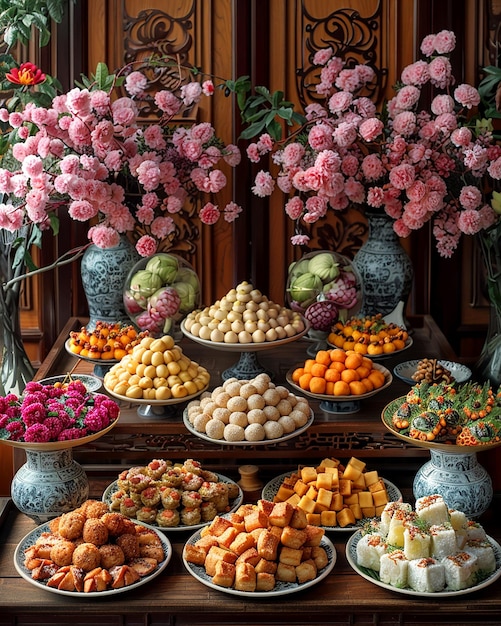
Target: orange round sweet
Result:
[[341, 388]]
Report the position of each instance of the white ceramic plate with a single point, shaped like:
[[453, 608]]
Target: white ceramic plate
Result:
[[264, 442], [31, 538], [405, 370], [234, 504], [270, 490], [143, 401], [388, 379], [373, 576], [281, 588], [245, 347]]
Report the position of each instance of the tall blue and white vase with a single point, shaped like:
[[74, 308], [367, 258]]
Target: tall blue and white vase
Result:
[[384, 266], [104, 272]]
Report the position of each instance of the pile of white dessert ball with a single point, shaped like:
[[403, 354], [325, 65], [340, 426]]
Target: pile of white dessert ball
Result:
[[248, 410], [244, 315]]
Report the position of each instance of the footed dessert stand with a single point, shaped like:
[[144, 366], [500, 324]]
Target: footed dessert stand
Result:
[[452, 471]]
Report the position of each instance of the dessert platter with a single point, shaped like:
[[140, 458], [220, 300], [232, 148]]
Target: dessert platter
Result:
[[74, 584], [280, 588], [244, 442], [244, 321], [439, 418], [91, 383], [406, 370], [101, 366], [343, 404], [234, 503], [271, 489], [429, 551]]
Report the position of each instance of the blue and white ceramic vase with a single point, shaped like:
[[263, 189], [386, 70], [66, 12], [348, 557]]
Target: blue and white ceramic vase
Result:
[[49, 484], [104, 272], [384, 266]]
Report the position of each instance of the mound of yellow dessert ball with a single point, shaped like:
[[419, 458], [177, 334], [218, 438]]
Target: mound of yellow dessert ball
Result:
[[156, 369]]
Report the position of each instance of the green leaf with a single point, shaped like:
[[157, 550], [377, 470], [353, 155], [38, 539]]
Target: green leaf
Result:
[[253, 130], [54, 223], [275, 130]]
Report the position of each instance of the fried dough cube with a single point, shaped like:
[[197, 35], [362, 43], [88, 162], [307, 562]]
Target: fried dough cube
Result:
[[314, 519], [307, 504], [265, 581], [314, 535], [227, 538], [242, 542], [218, 526], [281, 514], [290, 556], [256, 519], [245, 577], [298, 519], [308, 474], [328, 518], [345, 517], [286, 573], [371, 477], [324, 481], [294, 499], [266, 506], [267, 545], [337, 502], [250, 556], [305, 571], [365, 499], [224, 574], [319, 555], [301, 488], [270, 567], [293, 537], [216, 554], [194, 554]]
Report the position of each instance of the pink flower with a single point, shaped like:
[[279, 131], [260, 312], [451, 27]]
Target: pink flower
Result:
[[209, 214], [191, 93], [445, 42], [322, 56], [146, 246], [371, 129], [467, 96], [469, 221], [104, 237], [208, 88], [319, 138], [263, 184], [440, 72], [294, 207], [470, 197], [231, 211], [136, 83], [168, 102], [300, 240]]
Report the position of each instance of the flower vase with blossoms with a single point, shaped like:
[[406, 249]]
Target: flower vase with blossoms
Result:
[[421, 166], [83, 150]]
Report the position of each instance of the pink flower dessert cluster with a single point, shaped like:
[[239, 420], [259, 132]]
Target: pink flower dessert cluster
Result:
[[416, 164], [79, 154], [47, 413]]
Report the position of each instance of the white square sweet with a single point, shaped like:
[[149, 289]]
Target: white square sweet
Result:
[[458, 519], [483, 551], [393, 569], [432, 509], [370, 548], [398, 522], [426, 575], [388, 512], [416, 542], [443, 540], [460, 569], [475, 531]]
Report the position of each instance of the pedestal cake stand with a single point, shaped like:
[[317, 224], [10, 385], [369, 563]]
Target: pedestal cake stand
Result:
[[453, 471]]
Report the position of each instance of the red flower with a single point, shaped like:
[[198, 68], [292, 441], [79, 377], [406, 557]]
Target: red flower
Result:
[[26, 74]]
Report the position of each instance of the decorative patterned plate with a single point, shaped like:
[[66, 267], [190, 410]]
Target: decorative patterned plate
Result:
[[386, 417], [92, 383], [373, 576], [405, 370], [263, 442], [270, 490], [31, 538], [110, 489], [281, 588]]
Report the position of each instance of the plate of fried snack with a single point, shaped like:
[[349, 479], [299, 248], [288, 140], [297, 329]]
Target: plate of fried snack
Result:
[[261, 550], [172, 496], [335, 496], [432, 371], [91, 551]]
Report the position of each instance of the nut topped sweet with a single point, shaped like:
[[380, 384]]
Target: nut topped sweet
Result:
[[243, 316]]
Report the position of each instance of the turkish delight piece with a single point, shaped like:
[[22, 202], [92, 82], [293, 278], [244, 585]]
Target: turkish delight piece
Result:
[[474, 530], [443, 540], [416, 542], [399, 521], [426, 575], [460, 570], [370, 548], [458, 519], [388, 512], [393, 569], [432, 509], [483, 551]]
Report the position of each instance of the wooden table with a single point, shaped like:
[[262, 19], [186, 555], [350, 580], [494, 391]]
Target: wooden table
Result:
[[176, 598]]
